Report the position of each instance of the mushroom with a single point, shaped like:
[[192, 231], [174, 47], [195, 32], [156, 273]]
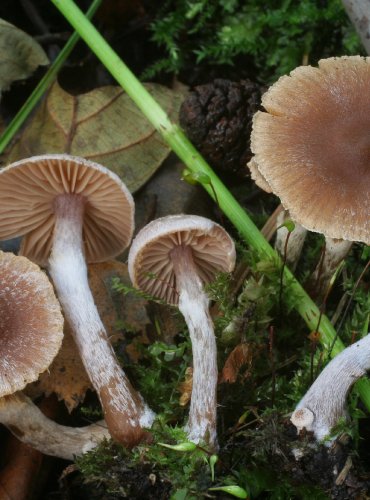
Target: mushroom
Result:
[[31, 332], [172, 258], [312, 147], [70, 209], [324, 403], [31, 323]]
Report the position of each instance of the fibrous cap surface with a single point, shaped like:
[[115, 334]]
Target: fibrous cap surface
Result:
[[312, 145], [31, 323]]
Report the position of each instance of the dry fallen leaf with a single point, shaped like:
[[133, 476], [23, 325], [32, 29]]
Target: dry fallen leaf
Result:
[[240, 356], [66, 376], [103, 125], [20, 55], [186, 387]]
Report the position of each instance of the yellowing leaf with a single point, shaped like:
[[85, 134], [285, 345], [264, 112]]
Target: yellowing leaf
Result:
[[103, 125]]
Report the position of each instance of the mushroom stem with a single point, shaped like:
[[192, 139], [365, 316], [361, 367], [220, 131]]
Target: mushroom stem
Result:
[[335, 251], [22, 417], [295, 243], [194, 304], [324, 403], [124, 409]]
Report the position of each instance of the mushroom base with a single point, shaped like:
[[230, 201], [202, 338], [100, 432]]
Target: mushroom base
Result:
[[324, 403]]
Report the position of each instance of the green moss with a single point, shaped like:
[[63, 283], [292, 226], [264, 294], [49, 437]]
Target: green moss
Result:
[[273, 40]]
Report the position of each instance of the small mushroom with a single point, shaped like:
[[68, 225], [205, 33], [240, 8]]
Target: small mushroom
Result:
[[172, 258], [325, 402], [70, 209], [31, 331]]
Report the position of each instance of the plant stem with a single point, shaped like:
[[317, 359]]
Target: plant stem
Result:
[[194, 161], [43, 85]]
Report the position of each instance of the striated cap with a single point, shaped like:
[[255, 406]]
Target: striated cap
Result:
[[312, 146], [31, 323], [27, 192], [149, 261]]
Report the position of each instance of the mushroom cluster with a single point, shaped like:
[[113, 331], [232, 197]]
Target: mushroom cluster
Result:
[[70, 210], [312, 148]]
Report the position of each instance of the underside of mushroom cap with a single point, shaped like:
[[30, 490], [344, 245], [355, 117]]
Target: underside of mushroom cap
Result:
[[27, 192], [312, 145], [31, 323], [149, 262]]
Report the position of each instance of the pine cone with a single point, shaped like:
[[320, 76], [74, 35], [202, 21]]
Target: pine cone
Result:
[[217, 118]]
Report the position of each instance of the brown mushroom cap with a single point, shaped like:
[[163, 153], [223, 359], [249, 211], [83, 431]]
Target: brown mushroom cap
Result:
[[258, 177], [313, 146], [31, 323], [149, 262], [29, 187]]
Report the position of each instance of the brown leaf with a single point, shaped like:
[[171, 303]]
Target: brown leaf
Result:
[[240, 356], [186, 387], [66, 376], [103, 125]]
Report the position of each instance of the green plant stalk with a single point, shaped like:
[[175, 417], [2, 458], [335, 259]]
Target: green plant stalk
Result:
[[174, 136], [43, 85]]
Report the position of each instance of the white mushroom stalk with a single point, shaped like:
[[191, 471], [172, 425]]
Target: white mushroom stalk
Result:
[[22, 417], [71, 211], [125, 412], [335, 251], [172, 258], [325, 402], [194, 305]]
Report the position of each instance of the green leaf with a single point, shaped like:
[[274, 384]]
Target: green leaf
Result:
[[235, 491], [289, 225], [185, 446], [212, 462], [195, 177], [180, 494]]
